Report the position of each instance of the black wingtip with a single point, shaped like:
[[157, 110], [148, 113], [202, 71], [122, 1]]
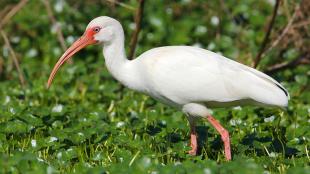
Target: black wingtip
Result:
[[285, 92]]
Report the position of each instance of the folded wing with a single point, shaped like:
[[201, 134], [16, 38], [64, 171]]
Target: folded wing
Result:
[[192, 74]]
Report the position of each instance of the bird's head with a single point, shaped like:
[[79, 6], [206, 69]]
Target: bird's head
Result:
[[102, 30]]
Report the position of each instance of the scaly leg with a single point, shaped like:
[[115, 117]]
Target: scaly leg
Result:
[[224, 135], [193, 139], [193, 142]]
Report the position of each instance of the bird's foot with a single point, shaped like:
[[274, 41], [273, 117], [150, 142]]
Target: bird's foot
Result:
[[192, 152]]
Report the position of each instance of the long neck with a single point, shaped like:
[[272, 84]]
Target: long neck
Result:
[[115, 56], [118, 65]]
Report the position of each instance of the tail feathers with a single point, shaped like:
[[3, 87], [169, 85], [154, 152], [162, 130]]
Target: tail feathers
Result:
[[267, 90], [284, 90], [270, 80]]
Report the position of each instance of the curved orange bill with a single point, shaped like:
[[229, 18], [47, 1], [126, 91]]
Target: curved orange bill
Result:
[[74, 48]]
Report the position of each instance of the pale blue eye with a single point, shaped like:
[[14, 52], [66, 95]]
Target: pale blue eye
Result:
[[96, 29]]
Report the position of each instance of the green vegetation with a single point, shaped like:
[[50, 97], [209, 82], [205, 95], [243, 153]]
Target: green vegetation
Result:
[[87, 123]]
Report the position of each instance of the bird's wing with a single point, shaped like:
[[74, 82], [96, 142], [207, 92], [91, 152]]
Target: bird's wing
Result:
[[187, 74], [255, 84]]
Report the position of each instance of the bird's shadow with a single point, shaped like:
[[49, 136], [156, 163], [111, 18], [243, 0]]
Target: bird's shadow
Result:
[[203, 135], [275, 144]]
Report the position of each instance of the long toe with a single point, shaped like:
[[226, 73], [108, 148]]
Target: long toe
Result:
[[193, 152]]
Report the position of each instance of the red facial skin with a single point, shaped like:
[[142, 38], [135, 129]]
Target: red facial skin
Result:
[[82, 42]]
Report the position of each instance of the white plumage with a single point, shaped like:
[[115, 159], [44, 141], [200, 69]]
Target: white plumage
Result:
[[188, 78], [181, 74]]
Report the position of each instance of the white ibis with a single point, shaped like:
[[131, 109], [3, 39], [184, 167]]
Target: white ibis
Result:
[[188, 78]]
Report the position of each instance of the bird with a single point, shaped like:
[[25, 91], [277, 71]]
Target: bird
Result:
[[190, 79]]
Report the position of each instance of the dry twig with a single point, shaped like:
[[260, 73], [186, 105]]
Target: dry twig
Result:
[[4, 11], [121, 4], [12, 12], [301, 24], [303, 59], [285, 31], [293, 33], [134, 38], [266, 39], [15, 60], [52, 18], [1, 65]]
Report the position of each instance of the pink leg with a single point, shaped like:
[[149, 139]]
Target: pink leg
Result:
[[193, 142], [224, 135]]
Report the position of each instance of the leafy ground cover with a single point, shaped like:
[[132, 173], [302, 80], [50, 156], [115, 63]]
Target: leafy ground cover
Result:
[[87, 126], [87, 123]]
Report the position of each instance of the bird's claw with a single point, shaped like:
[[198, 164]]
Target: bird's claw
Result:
[[192, 152]]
